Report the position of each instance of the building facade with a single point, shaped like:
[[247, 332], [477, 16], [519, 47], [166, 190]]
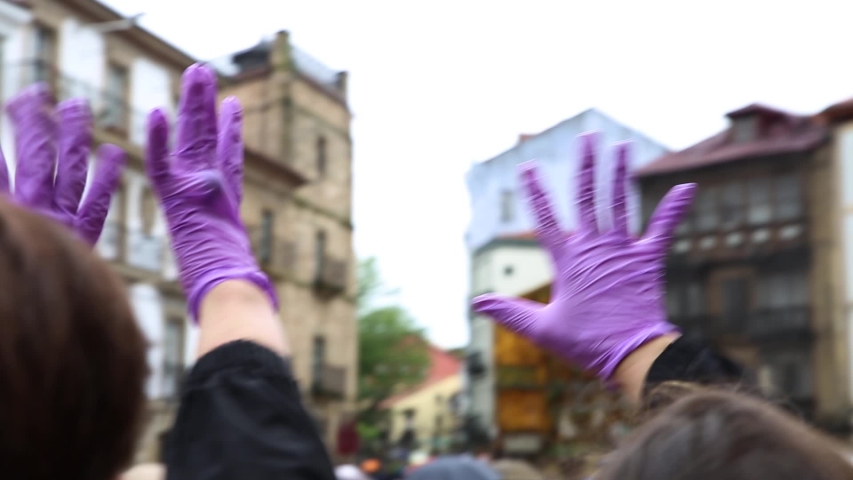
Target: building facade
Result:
[[426, 416], [299, 220], [503, 253], [296, 112], [755, 266]]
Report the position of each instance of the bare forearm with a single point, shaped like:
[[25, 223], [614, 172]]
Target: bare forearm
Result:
[[631, 373], [239, 310]]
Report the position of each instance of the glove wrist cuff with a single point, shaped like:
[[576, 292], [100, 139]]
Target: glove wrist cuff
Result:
[[196, 294]]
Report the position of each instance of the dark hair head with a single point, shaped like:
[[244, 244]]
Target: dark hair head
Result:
[[72, 357], [724, 435]]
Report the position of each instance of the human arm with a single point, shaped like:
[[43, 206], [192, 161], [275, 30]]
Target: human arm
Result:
[[607, 310], [241, 414]]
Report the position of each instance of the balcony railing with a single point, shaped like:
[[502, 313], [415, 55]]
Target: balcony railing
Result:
[[111, 112], [331, 275], [329, 381], [766, 324], [771, 323], [274, 254], [133, 248]]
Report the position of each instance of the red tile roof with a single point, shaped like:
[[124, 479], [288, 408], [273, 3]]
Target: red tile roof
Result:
[[779, 132], [442, 366], [838, 111]]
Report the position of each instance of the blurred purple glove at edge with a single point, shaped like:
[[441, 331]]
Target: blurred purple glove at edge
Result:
[[607, 298], [52, 152], [200, 186]]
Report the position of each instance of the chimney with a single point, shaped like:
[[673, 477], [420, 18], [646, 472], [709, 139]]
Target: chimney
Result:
[[342, 79]]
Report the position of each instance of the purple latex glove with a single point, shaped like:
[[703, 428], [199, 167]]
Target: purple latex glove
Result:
[[608, 293], [200, 186], [58, 139]]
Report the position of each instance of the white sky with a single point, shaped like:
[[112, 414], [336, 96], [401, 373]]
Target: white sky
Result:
[[436, 85]]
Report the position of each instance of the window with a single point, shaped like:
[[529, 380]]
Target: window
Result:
[[743, 129], [674, 297], [267, 223], [318, 358], [695, 301], [44, 54], [735, 305], [320, 251], [788, 198], [759, 211], [321, 155], [507, 206], [782, 290], [706, 210], [115, 111], [148, 207], [173, 357], [731, 205]]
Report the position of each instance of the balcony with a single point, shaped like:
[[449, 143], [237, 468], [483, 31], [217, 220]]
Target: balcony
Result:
[[132, 248], [791, 324], [518, 377], [275, 255], [780, 323], [329, 381], [331, 276], [111, 113]]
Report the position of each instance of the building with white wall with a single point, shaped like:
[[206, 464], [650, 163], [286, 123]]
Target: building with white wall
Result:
[[504, 256], [125, 72]]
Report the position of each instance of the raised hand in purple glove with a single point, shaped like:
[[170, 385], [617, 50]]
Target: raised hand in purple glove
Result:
[[200, 185], [608, 293], [52, 153]]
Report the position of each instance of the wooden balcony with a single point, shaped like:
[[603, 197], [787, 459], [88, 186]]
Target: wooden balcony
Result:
[[275, 255], [743, 243], [331, 276], [329, 381]]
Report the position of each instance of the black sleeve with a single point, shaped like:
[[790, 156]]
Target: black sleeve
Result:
[[694, 362], [241, 417]]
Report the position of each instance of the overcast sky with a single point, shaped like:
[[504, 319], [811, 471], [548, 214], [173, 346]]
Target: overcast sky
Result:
[[436, 85]]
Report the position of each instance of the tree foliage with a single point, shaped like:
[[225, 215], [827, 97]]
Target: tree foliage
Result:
[[393, 353]]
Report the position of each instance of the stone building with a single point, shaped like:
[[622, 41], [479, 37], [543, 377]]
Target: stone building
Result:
[[297, 187], [296, 112]]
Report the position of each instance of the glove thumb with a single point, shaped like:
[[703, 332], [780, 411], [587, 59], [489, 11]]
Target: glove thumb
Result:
[[516, 314]]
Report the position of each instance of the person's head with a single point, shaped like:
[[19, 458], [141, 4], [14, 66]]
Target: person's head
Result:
[[724, 435], [72, 357]]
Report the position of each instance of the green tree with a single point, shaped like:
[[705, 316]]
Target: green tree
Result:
[[392, 352]]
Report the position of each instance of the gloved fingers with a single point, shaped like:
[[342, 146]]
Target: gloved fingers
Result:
[[230, 146], [548, 230], [620, 181], [109, 165], [32, 114], [75, 143], [196, 137], [516, 314], [588, 220], [669, 213], [157, 164]]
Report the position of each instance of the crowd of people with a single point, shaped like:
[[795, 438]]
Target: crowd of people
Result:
[[73, 360]]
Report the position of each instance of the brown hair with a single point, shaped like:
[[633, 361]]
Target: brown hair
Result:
[[726, 435], [72, 357]]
